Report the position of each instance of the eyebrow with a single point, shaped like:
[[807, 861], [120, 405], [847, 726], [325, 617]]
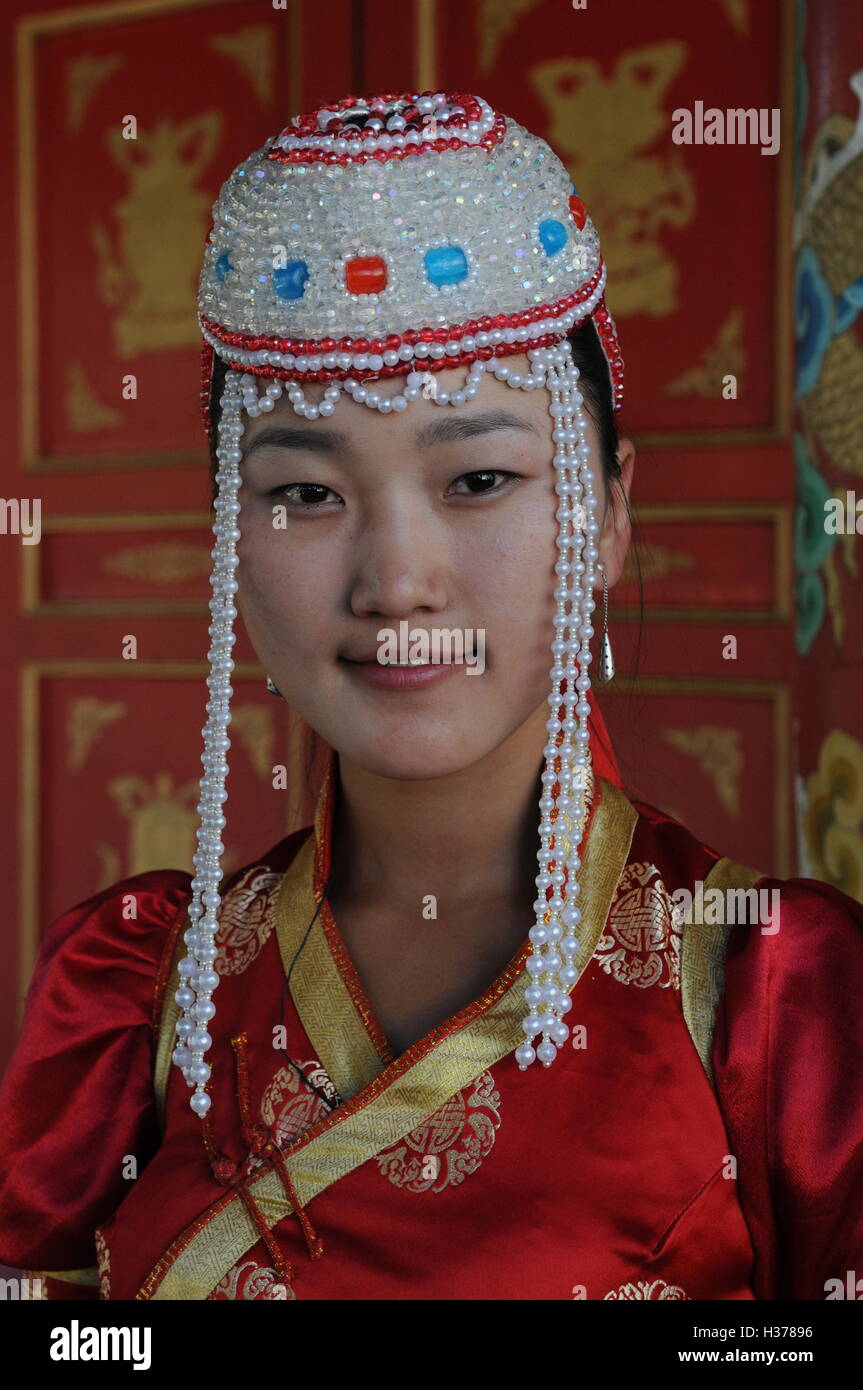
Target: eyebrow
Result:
[[325, 440]]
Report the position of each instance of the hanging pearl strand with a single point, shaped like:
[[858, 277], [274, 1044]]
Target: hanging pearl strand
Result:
[[555, 943], [198, 977], [543, 995]]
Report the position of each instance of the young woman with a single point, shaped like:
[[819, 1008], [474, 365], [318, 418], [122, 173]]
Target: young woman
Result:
[[428, 1060]]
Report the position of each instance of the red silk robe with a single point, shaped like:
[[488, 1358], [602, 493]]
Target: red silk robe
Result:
[[703, 1139]]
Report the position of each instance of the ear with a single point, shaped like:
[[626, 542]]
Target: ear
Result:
[[617, 530]]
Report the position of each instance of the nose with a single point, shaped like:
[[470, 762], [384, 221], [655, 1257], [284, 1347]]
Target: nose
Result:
[[399, 564]]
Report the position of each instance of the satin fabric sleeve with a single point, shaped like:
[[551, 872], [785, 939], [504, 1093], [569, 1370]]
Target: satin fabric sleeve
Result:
[[77, 1097], [788, 1066]]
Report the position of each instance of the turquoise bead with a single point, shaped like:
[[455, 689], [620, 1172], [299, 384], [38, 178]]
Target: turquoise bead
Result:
[[290, 282], [223, 265], [553, 235], [446, 265]]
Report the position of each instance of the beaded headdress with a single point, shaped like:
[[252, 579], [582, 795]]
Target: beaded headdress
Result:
[[393, 236]]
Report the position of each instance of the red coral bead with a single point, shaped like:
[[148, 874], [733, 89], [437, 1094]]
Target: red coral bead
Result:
[[366, 275], [578, 210]]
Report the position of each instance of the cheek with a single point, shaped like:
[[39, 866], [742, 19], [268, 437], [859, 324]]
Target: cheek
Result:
[[284, 593], [513, 579]]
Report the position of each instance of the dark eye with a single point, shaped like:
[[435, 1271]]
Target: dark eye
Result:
[[304, 495], [480, 482]]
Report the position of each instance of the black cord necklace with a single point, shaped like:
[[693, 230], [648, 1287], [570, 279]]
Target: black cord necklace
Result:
[[327, 1100]]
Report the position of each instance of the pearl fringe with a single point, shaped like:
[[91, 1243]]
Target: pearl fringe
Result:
[[565, 777]]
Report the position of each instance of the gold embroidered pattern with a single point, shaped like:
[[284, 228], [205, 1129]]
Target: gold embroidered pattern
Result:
[[450, 1144], [250, 1280], [642, 938], [642, 1289], [103, 1261], [246, 919]]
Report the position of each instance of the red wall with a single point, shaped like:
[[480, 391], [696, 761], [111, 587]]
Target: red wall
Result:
[[102, 754]]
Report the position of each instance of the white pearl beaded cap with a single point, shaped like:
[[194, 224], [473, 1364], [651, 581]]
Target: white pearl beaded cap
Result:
[[489, 203], [554, 935]]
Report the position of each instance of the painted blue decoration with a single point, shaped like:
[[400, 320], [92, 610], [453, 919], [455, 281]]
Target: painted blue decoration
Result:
[[223, 265], [446, 265], [290, 282], [553, 235], [848, 305]]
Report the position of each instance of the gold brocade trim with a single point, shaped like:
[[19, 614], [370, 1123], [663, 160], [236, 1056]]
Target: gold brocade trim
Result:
[[68, 1276], [327, 1011], [323, 826], [702, 959], [410, 1089], [167, 1028]]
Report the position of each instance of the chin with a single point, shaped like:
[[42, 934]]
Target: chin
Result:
[[408, 758]]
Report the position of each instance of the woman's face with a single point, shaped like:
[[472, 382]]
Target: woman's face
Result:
[[437, 517]]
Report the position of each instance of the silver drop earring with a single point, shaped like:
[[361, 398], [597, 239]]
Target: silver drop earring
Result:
[[605, 665], [274, 689]]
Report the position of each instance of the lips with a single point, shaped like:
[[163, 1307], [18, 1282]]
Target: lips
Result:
[[392, 676], [398, 665], [370, 655]]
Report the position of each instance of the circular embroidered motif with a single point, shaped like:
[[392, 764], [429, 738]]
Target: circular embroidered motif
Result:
[[246, 919], [450, 1144], [641, 941], [642, 1289], [251, 1281], [289, 1107]]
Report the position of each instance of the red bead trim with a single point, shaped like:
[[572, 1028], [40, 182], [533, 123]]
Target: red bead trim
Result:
[[401, 369], [307, 125], [207, 359], [307, 347], [317, 156], [607, 331], [608, 338]]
